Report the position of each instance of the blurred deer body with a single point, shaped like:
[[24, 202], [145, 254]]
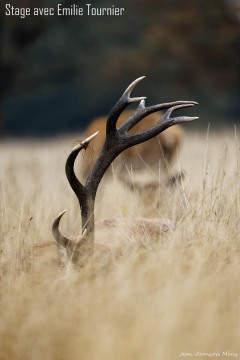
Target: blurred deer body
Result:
[[158, 151]]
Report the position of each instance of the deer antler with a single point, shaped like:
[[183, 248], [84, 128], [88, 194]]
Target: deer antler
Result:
[[117, 140]]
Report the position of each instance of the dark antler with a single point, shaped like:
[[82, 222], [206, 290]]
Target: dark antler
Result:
[[117, 140]]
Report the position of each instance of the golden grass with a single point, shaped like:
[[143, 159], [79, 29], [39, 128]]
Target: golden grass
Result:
[[176, 294]]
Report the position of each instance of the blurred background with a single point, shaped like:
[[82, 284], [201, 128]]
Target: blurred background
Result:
[[57, 73]]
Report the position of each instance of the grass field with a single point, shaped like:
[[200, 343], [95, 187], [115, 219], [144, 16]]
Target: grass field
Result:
[[169, 297]]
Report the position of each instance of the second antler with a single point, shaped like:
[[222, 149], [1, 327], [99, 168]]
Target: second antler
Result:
[[117, 140]]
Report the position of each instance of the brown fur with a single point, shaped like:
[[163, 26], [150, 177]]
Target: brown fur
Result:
[[159, 150]]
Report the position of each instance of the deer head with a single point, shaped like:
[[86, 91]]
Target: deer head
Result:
[[117, 140]]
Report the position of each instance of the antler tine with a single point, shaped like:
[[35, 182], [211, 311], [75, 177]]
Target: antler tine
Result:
[[62, 240], [163, 124], [143, 111], [76, 185], [122, 103], [80, 190], [127, 92], [67, 247], [87, 140], [179, 119]]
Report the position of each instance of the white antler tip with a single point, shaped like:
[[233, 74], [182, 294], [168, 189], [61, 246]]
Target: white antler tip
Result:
[[86, 141], [62, 213], [135, 82], [142, 103], [141, 78], [132, 85]]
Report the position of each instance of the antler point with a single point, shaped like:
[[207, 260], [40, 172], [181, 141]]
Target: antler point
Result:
[[62, 213], [87, 141]]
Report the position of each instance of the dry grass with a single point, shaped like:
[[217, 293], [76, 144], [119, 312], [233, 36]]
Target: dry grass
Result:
[[167, 296]]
